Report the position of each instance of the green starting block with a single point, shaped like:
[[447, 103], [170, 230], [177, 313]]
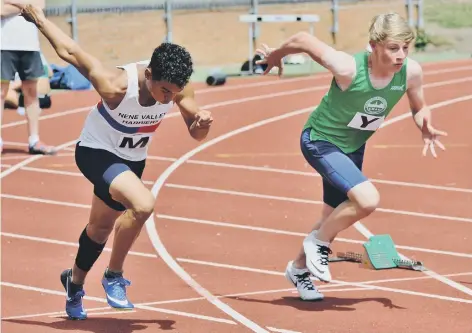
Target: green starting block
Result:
[[379, 253]]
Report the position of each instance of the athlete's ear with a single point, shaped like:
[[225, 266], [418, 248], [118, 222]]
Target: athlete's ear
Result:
[[372, 45], [148, 73]]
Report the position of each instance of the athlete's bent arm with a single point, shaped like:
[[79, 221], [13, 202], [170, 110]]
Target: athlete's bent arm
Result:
[[340, 64], [198, 121], [415, 93], [105, 81], [420, 110]]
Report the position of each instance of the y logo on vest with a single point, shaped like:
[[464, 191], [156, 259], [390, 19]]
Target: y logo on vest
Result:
[[371, 119]]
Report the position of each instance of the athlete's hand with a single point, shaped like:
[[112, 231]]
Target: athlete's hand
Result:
[[31, 13], [271, 58], [430, 137], [203, 119]]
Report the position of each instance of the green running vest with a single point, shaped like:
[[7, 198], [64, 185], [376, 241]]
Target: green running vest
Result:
[[349, 118]]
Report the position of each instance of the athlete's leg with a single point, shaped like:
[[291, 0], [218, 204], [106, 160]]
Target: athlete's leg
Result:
[[11, 99], [91, 243], [30, 70], [129, 190], [361, 195], [297, 272], [8, 70], [93, 238], [346, 177], [300, 260], [5, 84], [102, 169]]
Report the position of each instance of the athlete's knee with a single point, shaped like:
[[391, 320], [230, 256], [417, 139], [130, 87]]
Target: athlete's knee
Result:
[[99, 232], [366, 196], [143, 207], [101, 221]]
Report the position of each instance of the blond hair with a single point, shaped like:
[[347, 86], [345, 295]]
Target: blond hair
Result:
[[391, 26]]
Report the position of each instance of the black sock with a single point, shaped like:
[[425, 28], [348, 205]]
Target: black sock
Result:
[[74, 288], [110, 274]]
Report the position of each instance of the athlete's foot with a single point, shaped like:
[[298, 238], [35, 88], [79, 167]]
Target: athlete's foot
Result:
[[40, 148], [317, 253], [74, 295], [300, 278], [115, 288]]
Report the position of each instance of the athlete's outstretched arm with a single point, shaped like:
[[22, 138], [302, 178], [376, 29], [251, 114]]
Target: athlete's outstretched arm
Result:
[[198, 121], [339, 63], [105, 81], [420, 111]]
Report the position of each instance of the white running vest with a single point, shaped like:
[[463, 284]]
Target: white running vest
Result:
[[18, 34], [127, 130]]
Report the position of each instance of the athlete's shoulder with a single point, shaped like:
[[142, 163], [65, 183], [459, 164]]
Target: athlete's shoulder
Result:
[[413, 68], [414, 72]]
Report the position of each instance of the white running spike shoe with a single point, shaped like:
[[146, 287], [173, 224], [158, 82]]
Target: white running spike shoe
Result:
[[300, 278], [317, 253]]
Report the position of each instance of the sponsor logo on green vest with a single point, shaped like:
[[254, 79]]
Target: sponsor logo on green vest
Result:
[[375, 105]]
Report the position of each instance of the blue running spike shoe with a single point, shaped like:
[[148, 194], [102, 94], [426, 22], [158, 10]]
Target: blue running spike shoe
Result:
[[74, 307], [115, 289]]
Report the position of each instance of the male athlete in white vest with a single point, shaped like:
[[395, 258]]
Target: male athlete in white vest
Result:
[[112, 149]]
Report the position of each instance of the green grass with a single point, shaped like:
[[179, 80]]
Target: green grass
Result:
[[449, 13]]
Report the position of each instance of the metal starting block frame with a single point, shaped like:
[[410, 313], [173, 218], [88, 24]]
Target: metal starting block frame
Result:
[[379, 253]]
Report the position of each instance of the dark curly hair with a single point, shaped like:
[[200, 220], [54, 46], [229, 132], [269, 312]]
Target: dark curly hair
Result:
[[171, 63]]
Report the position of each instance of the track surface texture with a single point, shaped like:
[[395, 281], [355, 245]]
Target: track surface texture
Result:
[[232, 210]]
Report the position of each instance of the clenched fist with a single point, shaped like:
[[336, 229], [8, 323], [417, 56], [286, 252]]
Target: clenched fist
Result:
[[203, 119]]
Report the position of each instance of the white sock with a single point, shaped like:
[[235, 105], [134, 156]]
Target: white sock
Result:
[[21, 111], [317, 241], [33, 139], [296, 270]]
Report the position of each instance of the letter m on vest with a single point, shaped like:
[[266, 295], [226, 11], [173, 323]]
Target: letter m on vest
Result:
[[130, 142]]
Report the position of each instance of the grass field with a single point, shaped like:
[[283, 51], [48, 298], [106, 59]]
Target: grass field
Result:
[[449, 13]]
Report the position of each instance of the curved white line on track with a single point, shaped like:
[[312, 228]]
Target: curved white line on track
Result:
[[172, 263], [159, 246], [245, 86]]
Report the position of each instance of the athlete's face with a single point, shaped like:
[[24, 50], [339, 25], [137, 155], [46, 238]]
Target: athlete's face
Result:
[[162, 91], [391, 54]]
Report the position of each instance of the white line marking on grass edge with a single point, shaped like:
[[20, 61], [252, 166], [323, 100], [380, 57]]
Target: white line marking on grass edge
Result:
[[164, 254]]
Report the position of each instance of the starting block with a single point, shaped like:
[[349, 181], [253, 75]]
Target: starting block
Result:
[[379, 253]]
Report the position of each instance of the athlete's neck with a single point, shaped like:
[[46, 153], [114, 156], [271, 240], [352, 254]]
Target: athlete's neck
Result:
[[144, 95], [377, 70]]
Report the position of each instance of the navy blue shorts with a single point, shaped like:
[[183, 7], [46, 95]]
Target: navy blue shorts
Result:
[[340, 171], [100, 167]]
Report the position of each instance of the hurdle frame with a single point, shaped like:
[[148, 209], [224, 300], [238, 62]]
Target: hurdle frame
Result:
[[251, 19]]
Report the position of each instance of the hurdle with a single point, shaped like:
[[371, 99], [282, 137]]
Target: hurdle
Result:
[[217, 77], [251, 19]]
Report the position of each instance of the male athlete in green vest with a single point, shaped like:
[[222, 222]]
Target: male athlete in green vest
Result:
[[364, 89]]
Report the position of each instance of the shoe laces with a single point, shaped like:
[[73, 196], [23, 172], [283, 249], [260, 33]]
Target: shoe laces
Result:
[[118, 285], [324, 252], [304, 280], [77, 298]]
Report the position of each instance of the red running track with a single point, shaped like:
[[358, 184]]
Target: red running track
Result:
[[232, 211]]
